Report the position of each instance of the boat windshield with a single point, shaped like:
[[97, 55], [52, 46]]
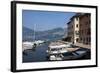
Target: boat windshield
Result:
[[56, 49]]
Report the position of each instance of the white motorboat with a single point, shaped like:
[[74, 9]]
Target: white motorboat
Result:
[[38, 42], [56, 48], [29, 45], [55, 52], [56, 57]]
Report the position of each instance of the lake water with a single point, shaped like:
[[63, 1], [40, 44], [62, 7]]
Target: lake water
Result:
[[37, 55]]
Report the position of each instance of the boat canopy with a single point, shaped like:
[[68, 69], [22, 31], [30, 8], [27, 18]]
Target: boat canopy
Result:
[[58, 46], [38, 41], [27, 43]]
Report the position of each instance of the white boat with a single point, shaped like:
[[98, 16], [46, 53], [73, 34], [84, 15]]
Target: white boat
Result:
[[57, 48], [29, 45], [38, 42], [55, 57]]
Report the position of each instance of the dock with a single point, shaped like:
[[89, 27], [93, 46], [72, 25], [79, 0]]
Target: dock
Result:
[[83, 45]]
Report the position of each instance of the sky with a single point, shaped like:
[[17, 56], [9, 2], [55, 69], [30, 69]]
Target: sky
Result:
[[45, 20]]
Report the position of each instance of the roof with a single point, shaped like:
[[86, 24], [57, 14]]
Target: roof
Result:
[[85, 14], [77, 15], [57, 44], [69, 22]]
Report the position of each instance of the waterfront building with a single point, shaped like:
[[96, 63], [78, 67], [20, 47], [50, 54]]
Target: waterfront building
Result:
[[73, 29], [79, 30], [85, 29]]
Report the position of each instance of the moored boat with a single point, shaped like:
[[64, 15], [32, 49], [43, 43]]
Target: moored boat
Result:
[[56, 49], [31, 45]]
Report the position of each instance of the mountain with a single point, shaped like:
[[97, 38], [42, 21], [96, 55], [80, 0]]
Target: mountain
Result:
[[53, 34], [59, 31], [27, 31], [27, 34]]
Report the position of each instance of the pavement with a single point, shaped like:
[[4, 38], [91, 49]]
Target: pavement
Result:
[[83, 45]]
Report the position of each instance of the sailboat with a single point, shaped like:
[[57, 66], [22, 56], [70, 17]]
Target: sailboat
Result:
[[31, 44], [26, 45]]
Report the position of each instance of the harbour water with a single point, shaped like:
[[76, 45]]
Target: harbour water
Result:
[[38, 54]]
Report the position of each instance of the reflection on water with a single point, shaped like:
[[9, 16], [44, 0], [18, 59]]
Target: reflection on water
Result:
[[36, 55]]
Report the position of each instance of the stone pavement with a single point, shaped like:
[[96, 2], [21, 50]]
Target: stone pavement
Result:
[[83, 45]]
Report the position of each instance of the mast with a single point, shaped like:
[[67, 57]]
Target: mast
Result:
[[34, 32]]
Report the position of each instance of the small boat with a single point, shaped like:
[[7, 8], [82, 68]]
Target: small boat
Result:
[[55, 57], [39, 42], [27, 45], [81, 53], [56, 49], [61, 51], [31, 45]]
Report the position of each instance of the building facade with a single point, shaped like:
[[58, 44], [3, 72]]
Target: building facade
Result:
[[85, 29], [70, 33], [73, 29], [79, 29]]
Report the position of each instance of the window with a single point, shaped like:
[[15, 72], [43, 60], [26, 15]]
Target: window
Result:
[[86, 23], [77, 32], [89, 39], [77, 25], [81, 25], [89, 21], [88, 31], [72, 26], [84, 40], [88, 15], [81, 39], [81, 31], [76, 18], [77, 40]]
